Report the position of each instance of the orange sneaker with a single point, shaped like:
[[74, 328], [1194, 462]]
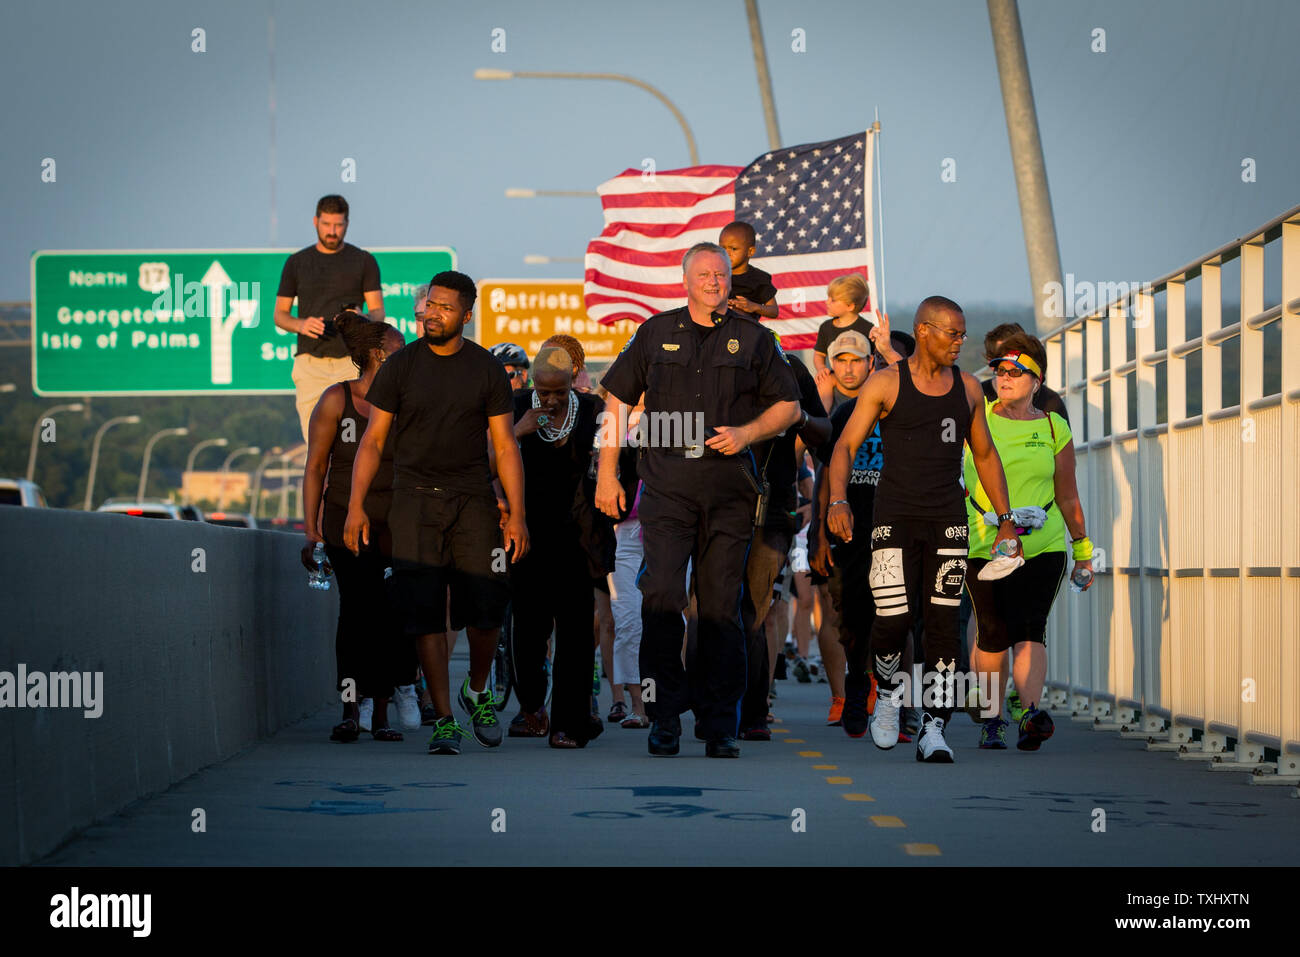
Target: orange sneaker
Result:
[[833, 720]]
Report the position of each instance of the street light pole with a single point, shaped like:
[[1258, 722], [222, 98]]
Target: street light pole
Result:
[[287, 459], [94, 452], [488, 74], [225, 471], [194, 452], [255, 497], [148, 451], [1041, 248], [36, 432], [764, 78]]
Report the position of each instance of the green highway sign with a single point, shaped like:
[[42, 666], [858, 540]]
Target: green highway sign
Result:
[[183, 321]]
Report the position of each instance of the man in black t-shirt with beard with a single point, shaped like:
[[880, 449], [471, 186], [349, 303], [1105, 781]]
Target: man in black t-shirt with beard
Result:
[[326, 278], [443, 395]]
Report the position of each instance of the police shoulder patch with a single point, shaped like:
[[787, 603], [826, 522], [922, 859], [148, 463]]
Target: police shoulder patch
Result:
[[779, 351]]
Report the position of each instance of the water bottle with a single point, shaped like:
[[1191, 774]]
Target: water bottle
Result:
[[1080, 580], [1006, 548], [320, 578]]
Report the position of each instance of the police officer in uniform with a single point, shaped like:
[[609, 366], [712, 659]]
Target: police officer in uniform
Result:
[[715, 384]]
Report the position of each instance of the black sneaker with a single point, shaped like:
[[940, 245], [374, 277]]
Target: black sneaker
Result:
[[1035, 728], [854, 715], [665, 737]]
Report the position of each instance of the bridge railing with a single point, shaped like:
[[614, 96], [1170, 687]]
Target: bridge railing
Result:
[[1187, 432]]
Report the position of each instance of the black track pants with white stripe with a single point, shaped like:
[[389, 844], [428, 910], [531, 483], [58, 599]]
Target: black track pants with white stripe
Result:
[[917, 561]]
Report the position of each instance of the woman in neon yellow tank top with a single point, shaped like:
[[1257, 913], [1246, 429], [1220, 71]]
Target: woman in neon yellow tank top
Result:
[[1037, 453]]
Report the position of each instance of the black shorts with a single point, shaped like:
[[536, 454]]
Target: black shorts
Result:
[[448, 541], [1015, 609]]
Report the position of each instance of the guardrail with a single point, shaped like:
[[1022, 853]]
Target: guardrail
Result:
[[193, 640], [1191, 637]]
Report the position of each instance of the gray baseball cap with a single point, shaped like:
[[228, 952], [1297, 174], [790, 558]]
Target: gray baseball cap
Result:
[[852, 342]]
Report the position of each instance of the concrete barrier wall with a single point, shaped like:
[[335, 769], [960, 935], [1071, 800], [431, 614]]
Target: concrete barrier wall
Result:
[[197, 664]]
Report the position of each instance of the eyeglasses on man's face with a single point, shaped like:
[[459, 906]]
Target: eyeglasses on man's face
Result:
[[952, 334]]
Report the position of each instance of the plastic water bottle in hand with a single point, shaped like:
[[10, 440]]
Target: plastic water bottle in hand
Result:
[[320, 578], [1080, 580]]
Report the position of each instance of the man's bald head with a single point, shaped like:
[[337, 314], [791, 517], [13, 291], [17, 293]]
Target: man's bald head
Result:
[[936, 309]]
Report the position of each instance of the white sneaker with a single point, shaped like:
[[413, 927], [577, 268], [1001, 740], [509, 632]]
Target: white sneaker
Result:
[[884, 723], [367, 712], [931, 746], [408, 706]]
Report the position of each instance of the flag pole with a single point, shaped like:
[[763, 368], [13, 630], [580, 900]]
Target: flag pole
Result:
[[870, 226], [880, 189]]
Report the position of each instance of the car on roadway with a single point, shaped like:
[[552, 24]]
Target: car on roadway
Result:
[[231, 519], [22, 493], [295, 525], [152, 508]]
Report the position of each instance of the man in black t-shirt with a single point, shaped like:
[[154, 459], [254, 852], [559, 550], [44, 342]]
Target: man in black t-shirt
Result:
[[326, 278], [443, 396]]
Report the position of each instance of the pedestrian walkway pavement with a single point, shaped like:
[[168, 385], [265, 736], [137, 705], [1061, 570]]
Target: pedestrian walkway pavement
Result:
[[812, 796]]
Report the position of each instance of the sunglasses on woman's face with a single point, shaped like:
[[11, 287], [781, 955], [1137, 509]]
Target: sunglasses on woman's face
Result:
[[1014, 372]]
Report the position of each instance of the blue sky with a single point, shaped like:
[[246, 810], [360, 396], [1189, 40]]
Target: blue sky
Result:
[[160, 147]]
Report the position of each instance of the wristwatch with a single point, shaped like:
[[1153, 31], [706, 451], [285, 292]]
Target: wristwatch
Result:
[[803, 421], [1005, 517]]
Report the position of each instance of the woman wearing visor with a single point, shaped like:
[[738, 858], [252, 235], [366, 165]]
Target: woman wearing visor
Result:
[[1037, 452]]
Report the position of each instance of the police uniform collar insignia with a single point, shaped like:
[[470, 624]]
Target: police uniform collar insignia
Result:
[[733, 346], [670, 346]]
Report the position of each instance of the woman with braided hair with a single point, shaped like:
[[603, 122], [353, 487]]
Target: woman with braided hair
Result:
[[370, 648]]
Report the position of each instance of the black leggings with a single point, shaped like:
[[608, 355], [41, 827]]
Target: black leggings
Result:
[[1015, 609], [917, 561], [554, 590], [369, 645]]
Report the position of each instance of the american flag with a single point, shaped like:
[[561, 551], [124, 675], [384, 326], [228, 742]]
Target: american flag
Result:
[[810, 207]]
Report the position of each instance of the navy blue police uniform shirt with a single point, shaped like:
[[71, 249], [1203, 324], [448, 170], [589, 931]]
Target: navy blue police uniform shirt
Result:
[[729, 373]]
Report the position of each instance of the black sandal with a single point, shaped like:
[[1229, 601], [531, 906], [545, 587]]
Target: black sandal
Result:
[[387, 734], [345, 731]]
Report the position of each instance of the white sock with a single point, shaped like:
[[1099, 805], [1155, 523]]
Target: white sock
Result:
[[474, 694]]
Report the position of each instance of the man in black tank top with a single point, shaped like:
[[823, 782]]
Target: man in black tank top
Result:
[[927, 409]]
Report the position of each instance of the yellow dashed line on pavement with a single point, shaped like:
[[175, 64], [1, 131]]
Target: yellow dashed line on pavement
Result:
[[857, 797], [888, 820], [922, 850], [810, 754], [839, 780], [794, 740], [780, 730], [826, 767]]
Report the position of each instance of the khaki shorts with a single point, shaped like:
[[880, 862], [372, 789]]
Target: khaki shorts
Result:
[[312, 375]]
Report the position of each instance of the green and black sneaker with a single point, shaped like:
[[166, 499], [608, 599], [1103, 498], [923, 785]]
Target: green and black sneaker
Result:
[[446, 736], [1015, 707], [482, 714]]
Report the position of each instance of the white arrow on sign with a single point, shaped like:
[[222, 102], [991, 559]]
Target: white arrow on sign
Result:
[[242, 312]]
